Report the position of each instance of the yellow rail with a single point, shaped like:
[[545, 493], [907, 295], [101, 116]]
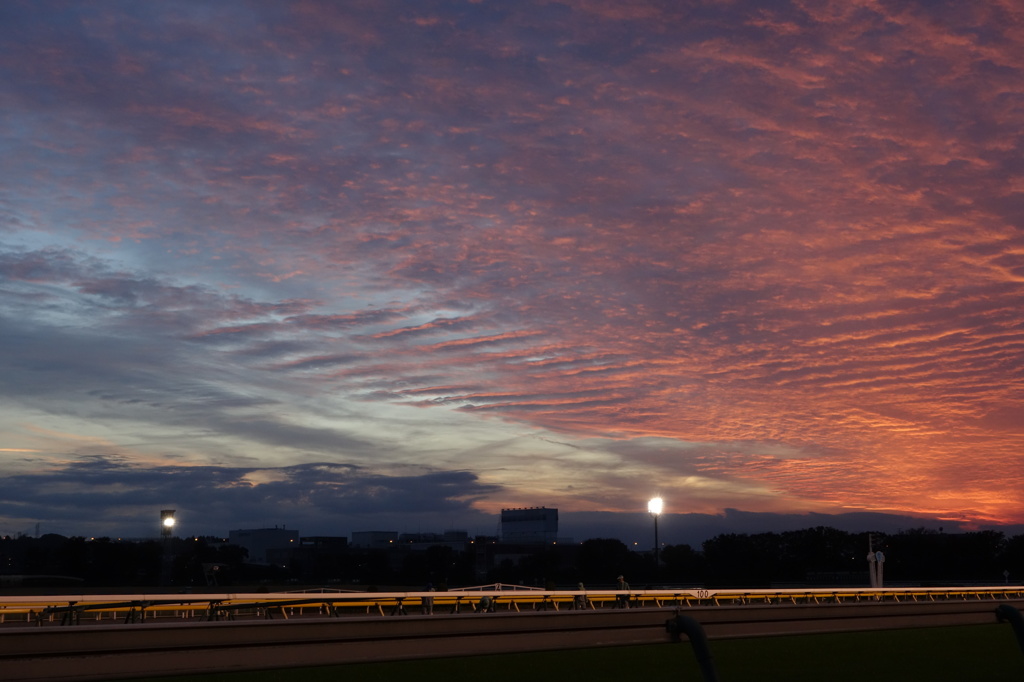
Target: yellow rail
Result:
[[73, 609]]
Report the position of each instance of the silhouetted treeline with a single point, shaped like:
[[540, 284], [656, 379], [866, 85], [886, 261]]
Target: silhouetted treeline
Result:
[[828, 556], [102, 562], [817, 556]]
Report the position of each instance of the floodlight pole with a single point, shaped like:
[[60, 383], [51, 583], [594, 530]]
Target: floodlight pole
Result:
[[167, 522], [166, 557], [654, 507], [656, 548]]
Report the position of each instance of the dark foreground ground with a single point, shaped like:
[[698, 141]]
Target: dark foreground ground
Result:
[[980, 653]]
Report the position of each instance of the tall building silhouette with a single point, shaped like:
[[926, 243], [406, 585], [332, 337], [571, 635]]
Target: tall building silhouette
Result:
[[529, 525]]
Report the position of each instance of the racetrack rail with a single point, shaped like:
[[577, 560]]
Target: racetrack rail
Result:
[[170, 646]]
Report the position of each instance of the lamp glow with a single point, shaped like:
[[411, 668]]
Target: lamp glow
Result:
[[654, 506], [166, 522]]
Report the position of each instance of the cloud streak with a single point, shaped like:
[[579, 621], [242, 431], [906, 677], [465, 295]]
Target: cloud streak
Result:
[[522, 245]]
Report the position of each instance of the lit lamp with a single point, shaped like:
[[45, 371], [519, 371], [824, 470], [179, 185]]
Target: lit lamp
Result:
[[166, 522], [654, 506]]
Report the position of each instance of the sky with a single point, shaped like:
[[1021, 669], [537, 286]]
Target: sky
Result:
[[400, 264]]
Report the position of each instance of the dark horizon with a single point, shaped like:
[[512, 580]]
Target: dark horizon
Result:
[[635, 530]]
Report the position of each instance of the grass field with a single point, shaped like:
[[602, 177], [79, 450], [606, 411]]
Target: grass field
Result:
[[980, 653]]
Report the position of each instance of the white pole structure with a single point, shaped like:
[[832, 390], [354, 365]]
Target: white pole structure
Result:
[[875, 561]]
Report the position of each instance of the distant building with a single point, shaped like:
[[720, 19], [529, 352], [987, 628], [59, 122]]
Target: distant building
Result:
[[325, 542], [319, 558], [531, 525], [457, 540], [262, 543], [375, 539]]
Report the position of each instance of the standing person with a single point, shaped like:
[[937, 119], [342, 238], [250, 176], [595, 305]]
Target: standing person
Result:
[[623, 598], [581, 599], [428, 602]]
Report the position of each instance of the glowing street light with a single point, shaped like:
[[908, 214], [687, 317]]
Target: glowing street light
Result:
[[166, 522], [654, 506]]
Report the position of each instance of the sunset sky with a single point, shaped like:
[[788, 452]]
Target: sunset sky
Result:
[[397, 265]]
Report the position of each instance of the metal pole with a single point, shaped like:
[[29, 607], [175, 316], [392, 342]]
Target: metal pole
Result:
[[656, 544], [1007, 613], [698, 640]]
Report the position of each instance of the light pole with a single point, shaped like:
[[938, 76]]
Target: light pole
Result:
[[654, 507], [166, 523]]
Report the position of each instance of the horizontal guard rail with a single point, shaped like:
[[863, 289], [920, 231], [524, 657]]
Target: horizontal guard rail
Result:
[[172, 646], [137, 608]]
